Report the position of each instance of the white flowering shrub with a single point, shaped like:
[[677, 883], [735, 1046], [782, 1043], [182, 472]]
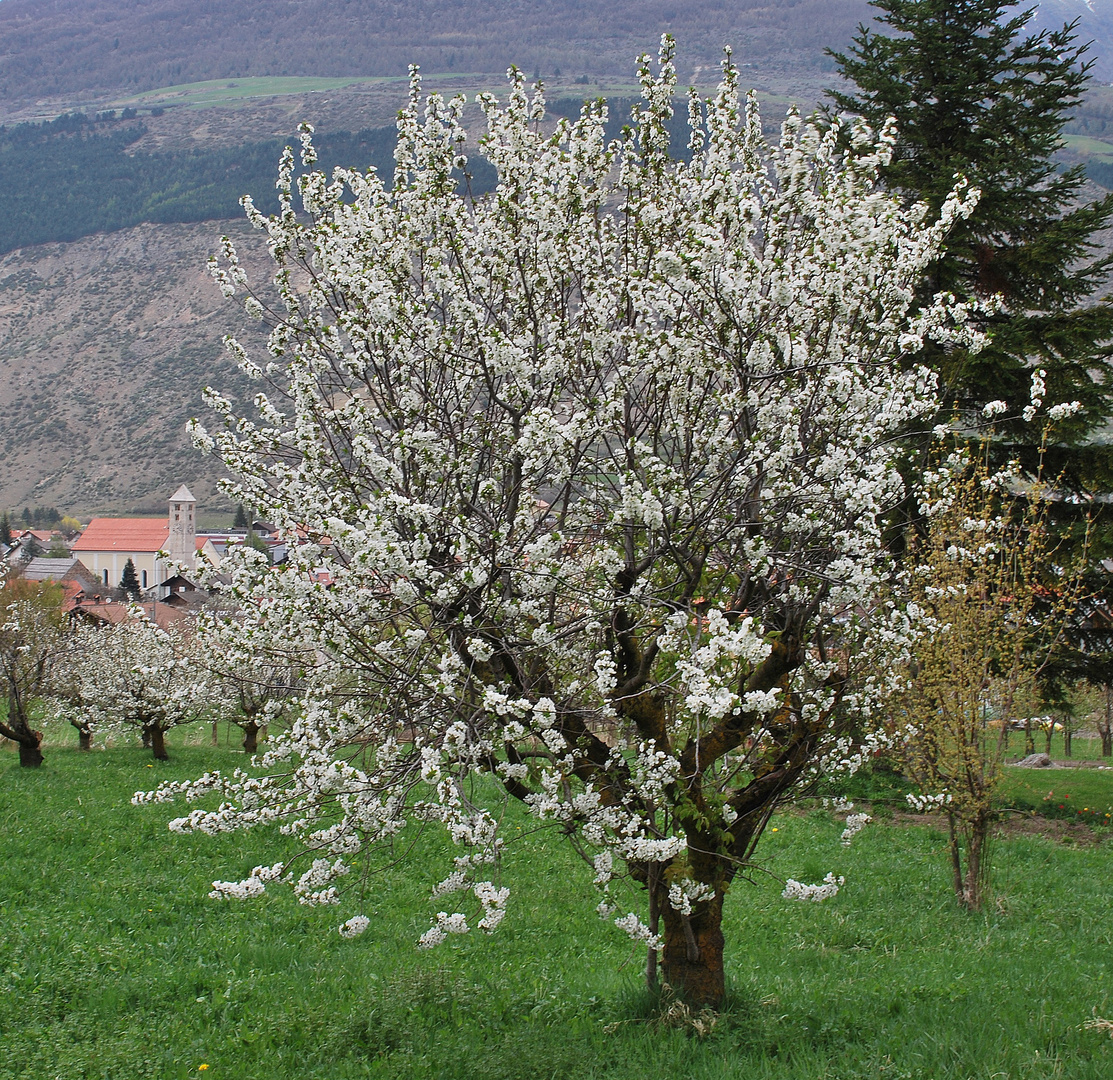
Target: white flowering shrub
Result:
[[581, 483]]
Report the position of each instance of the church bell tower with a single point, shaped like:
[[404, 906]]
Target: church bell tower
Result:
[[182, 542]]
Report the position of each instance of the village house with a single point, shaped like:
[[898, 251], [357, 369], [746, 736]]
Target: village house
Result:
[[106, 545], [61, 570]]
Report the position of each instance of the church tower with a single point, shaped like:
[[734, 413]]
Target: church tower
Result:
[[182, 542]]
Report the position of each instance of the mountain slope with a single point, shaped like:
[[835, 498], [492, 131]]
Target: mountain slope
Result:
[[105, 345], [50, 48]]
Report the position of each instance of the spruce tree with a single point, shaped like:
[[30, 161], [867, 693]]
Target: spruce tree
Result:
[[973, 94], [240, 521], [5, 530], [129, 581]]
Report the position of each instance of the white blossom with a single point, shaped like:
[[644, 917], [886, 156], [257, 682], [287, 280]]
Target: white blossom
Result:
[[1064, 410], [581, 484], [796, 890], [855, 823], [355, 926], [925, 804]]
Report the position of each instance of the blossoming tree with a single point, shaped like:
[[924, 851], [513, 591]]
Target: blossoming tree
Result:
[[581, 482], [257, 687], [134, 674], [33, 637]]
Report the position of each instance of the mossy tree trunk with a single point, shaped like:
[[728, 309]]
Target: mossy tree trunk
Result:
[[692, 953]]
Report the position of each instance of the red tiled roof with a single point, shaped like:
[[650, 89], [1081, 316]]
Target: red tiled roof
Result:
[[109, 611], [124, 534]]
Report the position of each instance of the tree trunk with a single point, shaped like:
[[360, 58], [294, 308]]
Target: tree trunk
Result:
[[1050, 736], [31, 757], [251, 737], [84, 735], [29, 742], [1106, 743], [158, 742], [692, 958], [1067, 735], [969, 880], [146, 738], [216, 733], [1029, 738], [973, 887]]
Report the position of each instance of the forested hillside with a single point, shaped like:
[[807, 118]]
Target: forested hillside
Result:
[[50, 48], [96, 185]]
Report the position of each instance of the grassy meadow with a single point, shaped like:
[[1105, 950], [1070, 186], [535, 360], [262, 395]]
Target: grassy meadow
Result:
[[115, 964]]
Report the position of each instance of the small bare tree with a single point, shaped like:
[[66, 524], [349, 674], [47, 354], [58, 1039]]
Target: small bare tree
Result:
[[993, 605]]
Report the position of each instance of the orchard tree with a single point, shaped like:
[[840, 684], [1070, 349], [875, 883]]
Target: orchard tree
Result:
[[33, 638], [133, 674], [580, 483], [261, 685]]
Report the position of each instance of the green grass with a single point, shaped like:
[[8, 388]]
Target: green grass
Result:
[[114, 964], [1088, 146], [227, 91], [1089, 792], [233, 91]]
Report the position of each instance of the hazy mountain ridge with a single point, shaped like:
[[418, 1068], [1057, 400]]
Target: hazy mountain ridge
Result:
[[56, 47]]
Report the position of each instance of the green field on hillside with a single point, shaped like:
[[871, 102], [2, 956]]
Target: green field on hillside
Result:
[[115, 964], [229, 91], [1089, 147]]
